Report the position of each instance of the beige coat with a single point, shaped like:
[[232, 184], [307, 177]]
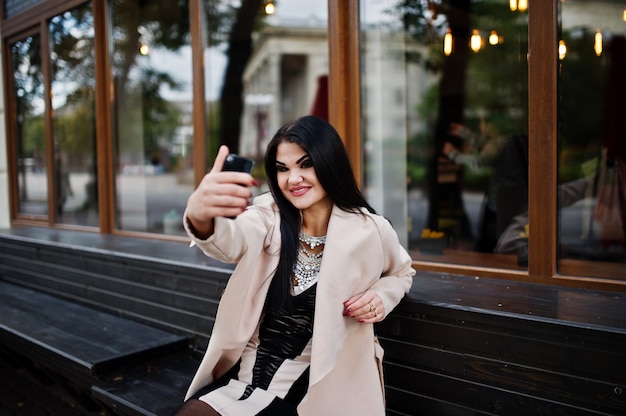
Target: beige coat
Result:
[[362, 252]]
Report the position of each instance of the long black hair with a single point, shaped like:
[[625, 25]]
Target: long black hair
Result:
[[330, 160]]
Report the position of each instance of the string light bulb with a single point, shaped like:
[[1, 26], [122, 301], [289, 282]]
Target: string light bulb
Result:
[[448, 43], [475, 41], [269, 7], [494, 39], [520, 5], [562, 49], [597, 43]]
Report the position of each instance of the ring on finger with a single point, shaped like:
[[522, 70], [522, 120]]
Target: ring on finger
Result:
[[372, 307]]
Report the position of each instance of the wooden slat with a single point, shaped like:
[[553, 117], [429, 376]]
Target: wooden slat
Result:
[[446, 393], [504, 373]]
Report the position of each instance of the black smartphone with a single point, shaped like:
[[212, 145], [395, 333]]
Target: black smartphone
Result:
[[238, 163]]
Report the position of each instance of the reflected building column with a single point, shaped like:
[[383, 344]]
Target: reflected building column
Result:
[[259, 104]]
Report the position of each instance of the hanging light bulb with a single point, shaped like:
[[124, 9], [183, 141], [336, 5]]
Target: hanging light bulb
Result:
[[562, 50], [494, 39], [513, 5], [624, 14], [597, 43], [269, 7], [144, 49], [475, 41], [522, 5], [448, 43]]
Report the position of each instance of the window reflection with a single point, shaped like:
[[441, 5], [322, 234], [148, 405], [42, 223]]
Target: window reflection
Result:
[[446, 160], [151, 68], [29, 130], [592, 158], [73, 93], [259, 76], [261, 70]]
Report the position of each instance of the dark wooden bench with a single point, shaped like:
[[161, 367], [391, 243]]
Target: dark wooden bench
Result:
[[122, 321], [97, 351], [456, 345], [461, 345]]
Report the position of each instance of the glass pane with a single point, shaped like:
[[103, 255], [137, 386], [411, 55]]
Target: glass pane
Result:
[[444, 87], [151, 68], [32, 178], [73, 89], [259, 76], [592, 138]]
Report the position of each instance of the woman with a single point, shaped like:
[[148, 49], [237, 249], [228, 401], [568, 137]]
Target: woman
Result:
[[316, 267]]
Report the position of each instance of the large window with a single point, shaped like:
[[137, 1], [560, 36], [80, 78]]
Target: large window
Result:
[[73, 86], [54, 133], [592, 138], [445, 87], [151, 71], [28, 127]]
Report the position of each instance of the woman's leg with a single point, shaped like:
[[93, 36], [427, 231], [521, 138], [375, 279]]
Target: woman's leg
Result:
[[195, 407]]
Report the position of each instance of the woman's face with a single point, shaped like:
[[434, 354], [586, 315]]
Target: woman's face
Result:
[[297, 178]]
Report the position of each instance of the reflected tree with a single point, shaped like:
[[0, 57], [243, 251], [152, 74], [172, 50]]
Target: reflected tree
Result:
[[238, 53], [166, 24], [160, 117], [28, 94], [72, 69], [158, 25], [492, 82]]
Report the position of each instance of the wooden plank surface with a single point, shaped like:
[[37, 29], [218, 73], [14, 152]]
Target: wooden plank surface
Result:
[[155, 388], [67, 333]]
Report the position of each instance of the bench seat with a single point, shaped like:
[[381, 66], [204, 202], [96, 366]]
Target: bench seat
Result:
[[152, 389], [77, 341]]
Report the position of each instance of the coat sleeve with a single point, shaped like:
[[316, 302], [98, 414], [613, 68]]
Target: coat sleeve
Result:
[[397, 275], [232, 238]]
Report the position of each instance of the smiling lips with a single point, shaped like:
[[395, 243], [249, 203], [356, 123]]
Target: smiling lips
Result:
[[299, 191]]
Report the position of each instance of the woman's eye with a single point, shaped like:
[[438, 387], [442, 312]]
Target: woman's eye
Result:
[[281, 169], [307, 164]]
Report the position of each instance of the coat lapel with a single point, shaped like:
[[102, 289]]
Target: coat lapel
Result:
[[341, 276]]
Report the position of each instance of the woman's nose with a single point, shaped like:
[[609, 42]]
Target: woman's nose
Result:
[[295, 176]]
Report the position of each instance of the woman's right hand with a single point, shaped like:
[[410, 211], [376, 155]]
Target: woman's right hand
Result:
[[219, 194]]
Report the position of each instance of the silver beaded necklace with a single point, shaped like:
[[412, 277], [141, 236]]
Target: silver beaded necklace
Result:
[[307, 267], [308, 264], [310, 240]]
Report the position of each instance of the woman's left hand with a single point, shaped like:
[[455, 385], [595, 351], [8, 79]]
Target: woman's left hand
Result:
[[366, 307]]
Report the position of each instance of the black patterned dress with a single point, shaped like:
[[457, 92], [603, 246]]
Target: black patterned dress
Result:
[[272, 376]]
